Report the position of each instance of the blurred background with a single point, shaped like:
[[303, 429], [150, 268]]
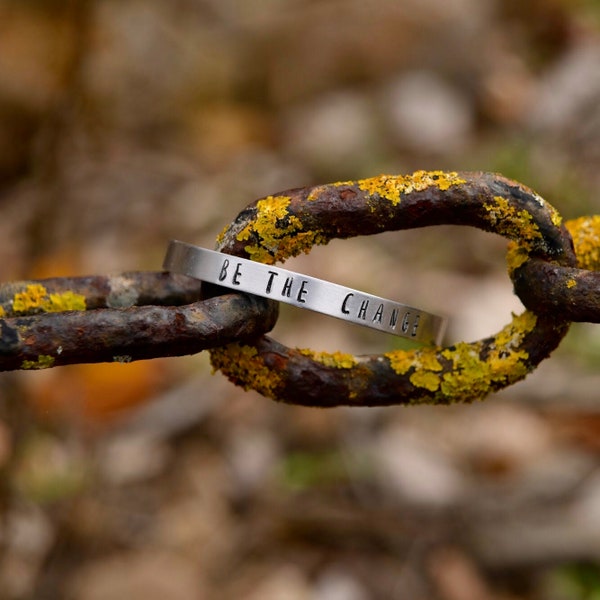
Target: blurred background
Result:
[[124, 123]]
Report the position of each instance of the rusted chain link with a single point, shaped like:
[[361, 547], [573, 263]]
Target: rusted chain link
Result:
[[567, 292], [144, 315], [59, 294], [122, 318], [276, 227]]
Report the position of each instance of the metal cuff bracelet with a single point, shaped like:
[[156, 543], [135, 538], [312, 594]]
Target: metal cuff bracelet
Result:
[[303, 291]]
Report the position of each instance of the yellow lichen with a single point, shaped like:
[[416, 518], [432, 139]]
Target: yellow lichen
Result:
[[391, 187], [425, 379], [424, 359], [512, 222], [424, 362], [513, 333], [2, 312], [401, 360], [571, 283], [275, 234], [35, 298], [242, 365], [555, 216], [463, 372], [221, 235], [64, 301], [585, 232], [30, 299], [516, 256], [338, 360], [44, 361], [472, 377], [428, 360], [467, 375]]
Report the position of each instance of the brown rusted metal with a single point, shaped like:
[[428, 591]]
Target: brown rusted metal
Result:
[[276, 227], [144, 315], [559, 292], [566, 292], [466, 372], [125, 317], [316, 215], [137, 288]]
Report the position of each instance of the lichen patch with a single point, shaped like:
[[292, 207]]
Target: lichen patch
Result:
[[585, 232], [392, 187], [245, 367], [35, 298], [275, 234]]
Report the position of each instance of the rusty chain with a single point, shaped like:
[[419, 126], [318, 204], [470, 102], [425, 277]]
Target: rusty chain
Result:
[[144, 315], [123, 318]]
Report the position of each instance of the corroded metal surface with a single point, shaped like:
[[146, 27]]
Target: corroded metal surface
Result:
[[143, 315], [280, 226], [57, 322], [566, 292], [98, 291]]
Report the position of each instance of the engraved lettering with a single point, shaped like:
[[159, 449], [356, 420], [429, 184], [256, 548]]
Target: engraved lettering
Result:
[[393, 318], [302, 292], [378, 314], [237, 274], [272, 275], [415, 325], [345, 303], [362, 311], [223, 272], [405, 322], [287, 287]]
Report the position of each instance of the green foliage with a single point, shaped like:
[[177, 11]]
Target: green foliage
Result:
[[305, 469], [47, 470], [578, 581], [582, 345], [561, 185]]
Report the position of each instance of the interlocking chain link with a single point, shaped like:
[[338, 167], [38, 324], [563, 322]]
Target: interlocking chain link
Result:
[[144, 315], [567, 293], [121, 318], [277, 227]]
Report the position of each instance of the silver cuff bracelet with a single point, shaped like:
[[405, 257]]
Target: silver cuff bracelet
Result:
[[303, 291]]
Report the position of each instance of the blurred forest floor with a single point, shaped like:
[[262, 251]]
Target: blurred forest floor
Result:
[[124, 124]]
